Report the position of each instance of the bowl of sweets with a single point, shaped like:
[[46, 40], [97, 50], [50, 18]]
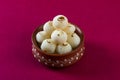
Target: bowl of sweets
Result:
[[58, 43]]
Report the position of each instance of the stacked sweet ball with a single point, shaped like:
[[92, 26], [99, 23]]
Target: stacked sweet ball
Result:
[[58, 36]]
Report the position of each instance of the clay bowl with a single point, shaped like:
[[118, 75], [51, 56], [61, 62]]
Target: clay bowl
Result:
[[58, 60]]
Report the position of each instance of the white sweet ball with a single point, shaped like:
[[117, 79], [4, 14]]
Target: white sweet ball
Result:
[[60, 21], [59, 36], [64, 48], [70, 29], [40, 36], [73, 40], [48, 46], [48, 27]]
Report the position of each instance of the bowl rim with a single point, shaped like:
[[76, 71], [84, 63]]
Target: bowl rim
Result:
[[40, 28]]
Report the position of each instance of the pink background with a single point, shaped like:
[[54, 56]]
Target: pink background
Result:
[[99, 19]]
